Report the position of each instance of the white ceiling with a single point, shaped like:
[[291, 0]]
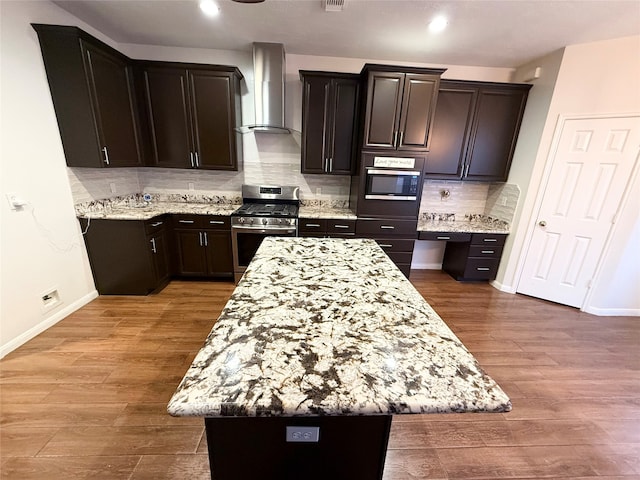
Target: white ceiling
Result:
[[491, 33]]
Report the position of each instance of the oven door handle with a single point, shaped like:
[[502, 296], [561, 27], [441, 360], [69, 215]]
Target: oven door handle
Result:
[[268, 231]]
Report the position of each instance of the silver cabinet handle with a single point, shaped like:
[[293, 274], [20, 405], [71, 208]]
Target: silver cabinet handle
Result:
[[466, 169], [395, 138], [385, 245], [157, 224], [490, 240], [330, 164], [105, 152], [483, 269], [387, 227], [401, 135], [315, 225], [443, 238], [487, 251], [197, 160], [206, 240], [216, 222], [341, 226], [191, 159], [153, 245], [200, 236], [185, 221]]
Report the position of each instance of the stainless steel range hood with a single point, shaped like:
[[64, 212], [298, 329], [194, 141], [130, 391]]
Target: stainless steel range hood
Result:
[[268, 73]]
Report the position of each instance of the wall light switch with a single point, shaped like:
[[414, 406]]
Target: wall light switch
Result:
[[303, 434]]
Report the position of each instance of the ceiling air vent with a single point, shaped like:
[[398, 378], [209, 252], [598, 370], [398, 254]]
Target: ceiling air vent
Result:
[[333, 5]]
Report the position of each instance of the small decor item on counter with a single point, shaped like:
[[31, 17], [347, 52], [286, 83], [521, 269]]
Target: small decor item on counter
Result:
[[444, 194], [146, 197]]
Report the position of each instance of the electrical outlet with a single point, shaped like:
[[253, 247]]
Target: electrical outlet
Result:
[[503, 200], [112, 186], [50, 299], [319, 191], [303, 434], [191, 186]]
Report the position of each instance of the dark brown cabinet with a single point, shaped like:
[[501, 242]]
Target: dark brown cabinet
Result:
[[193, 112], [329, 122], [128, 257], [202, 246], [399, 107], [326, 227], [469, 256], [475, 130], [395, 237], [93, 95]]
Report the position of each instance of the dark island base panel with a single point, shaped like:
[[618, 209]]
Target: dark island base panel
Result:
[[248, 448]]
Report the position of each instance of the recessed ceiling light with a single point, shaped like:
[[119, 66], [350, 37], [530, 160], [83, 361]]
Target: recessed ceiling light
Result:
[[209, 8], [438, 24]]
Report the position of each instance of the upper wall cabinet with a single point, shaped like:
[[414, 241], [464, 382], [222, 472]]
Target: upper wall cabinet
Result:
[[399, 107], [192, 111], [93, 95], [475, 130], [329, 121]]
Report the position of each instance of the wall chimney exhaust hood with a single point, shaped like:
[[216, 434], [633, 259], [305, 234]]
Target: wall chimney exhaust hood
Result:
[[268, 73]]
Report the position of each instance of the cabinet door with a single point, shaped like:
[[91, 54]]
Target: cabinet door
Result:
[[384, 94], [219, 259], [450, 132], [213, 119], [112, 91], [160, 255], [315, 119], [495, 131], [343, 125], [168, 106], [418, 98], [191, 254]]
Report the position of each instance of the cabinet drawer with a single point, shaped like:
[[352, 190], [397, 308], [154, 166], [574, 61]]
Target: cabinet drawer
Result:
[[481, 268], [445, 236], [155, 224], [187, 221], [216, 222], [341, 226], [311, 226], [395, 244], [485, 251], [496, 239], [400, 257], [375, 227]]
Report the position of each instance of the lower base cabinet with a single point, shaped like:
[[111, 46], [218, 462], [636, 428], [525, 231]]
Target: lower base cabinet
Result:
[[128, 257], [202, 246], [395, 237], [326, 228]]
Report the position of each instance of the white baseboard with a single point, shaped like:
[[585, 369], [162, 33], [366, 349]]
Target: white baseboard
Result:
[[426, 266], [46, 323], [613, 312], [502, 287]]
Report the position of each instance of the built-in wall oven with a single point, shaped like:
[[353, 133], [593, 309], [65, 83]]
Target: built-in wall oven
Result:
[[266, 211]]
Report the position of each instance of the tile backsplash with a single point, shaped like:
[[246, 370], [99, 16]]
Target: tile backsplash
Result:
[[268, 159]]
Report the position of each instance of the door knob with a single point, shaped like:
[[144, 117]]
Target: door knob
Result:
[[542, 223]]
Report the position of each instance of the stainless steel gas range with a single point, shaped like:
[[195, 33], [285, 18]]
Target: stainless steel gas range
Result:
[[266, 210]]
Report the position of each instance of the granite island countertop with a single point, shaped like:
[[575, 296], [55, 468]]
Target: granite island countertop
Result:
[[331, 327]]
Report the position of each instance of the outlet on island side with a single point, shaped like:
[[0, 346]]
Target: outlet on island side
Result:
[[303, 434]]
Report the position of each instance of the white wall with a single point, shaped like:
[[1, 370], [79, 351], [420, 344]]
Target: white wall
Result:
[[41, 245], [594, 78]]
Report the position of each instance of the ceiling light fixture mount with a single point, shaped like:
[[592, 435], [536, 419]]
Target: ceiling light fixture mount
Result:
[[438, 24], [209, 8]]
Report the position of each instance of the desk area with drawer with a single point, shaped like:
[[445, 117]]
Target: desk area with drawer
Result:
[[469, 256]]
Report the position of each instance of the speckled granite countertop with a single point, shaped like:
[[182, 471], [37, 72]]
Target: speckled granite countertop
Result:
[[145, 212], [466, 224], [331, 327], [322, 211]]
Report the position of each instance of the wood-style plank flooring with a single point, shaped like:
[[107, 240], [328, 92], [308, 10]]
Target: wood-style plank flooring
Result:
[[87, 398]]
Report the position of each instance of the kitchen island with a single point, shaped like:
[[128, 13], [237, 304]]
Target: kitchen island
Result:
[[324, 333]]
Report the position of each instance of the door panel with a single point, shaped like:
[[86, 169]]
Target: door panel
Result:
[[418, 100], [212, 121], [591, 168], [113, 97], [191, 252], [316, 97], [166, 95], [344, 125], [383, 106]]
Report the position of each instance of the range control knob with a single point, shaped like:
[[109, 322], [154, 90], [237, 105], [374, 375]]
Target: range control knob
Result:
[[265, 221]]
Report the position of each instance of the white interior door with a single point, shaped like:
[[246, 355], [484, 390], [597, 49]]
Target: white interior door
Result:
[[591, 167]]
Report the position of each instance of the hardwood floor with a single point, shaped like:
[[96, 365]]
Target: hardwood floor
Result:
[[87, 398]]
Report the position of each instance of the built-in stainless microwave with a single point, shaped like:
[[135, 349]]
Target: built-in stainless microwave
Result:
[[386, 184]]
